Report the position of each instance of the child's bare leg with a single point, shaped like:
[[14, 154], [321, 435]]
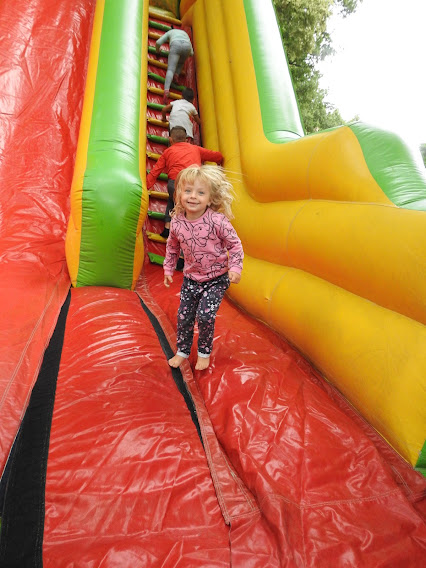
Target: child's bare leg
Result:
[[176, 361], [202, 363]]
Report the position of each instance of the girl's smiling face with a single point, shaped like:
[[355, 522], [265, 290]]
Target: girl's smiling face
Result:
[[195, 198]]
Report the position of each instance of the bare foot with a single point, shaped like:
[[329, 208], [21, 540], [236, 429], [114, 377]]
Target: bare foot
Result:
[[202, 363], [176, 361]]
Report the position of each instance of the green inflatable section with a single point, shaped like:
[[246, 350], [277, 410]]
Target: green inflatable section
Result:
[[281, 121], [393, 165], [112, 187]]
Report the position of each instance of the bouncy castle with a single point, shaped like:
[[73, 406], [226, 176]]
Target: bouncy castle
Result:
[[303, 444]]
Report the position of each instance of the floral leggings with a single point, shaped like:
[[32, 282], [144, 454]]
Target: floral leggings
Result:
[[199, 300]]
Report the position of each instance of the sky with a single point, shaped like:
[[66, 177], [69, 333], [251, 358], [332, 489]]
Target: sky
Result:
[[379, 69]]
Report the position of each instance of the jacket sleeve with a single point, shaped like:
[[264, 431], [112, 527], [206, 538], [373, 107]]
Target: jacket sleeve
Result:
[[172, 252], [156, 171], [210, 156], [233, 244]]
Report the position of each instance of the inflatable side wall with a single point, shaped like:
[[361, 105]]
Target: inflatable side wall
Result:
[[104, 244]]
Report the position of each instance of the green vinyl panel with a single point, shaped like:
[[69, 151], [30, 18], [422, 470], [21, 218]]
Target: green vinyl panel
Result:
[[394, 165], [112, 187], [278, 104]]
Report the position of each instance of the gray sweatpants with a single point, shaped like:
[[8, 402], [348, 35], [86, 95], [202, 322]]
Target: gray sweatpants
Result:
[[179, 50]]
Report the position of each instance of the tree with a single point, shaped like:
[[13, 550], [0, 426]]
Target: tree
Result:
[[303, 25]]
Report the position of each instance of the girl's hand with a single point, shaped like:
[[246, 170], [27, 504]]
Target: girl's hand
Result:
[[234, 277], [167, 281]]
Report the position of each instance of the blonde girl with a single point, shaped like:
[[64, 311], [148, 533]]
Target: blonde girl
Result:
[[213, 254]]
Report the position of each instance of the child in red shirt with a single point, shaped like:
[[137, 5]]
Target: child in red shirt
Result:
[[177, 157]]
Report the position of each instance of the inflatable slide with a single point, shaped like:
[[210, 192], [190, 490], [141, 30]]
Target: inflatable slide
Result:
[[302, 445]]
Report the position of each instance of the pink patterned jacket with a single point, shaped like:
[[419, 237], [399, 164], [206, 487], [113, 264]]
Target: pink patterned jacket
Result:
[[210, 246]]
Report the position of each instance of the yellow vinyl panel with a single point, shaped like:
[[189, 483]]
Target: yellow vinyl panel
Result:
[[372, 250], [139, 245], [338, 170], [73, 237], [374, 356]]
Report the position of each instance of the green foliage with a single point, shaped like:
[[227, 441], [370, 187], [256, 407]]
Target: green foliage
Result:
[[423, 152], [317, 113], [303, 25]]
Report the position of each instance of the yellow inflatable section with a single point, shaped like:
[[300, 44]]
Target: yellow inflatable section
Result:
[[331, 263]]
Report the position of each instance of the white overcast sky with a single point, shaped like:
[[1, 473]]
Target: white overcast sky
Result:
[[379, 70]]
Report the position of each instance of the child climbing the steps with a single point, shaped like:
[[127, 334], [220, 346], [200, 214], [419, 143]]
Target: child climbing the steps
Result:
[[182, 112], [200, 227], [177, 157], [180, 48]]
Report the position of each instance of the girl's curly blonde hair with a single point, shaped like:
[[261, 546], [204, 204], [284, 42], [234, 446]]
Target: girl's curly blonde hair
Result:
[[221, 190]]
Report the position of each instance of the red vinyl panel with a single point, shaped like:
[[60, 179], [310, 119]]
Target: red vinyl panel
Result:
[[127, 481], [43, 55], [332, 492]]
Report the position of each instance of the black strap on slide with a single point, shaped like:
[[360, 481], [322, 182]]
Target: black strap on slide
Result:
[[176, 373], [22, 524]]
